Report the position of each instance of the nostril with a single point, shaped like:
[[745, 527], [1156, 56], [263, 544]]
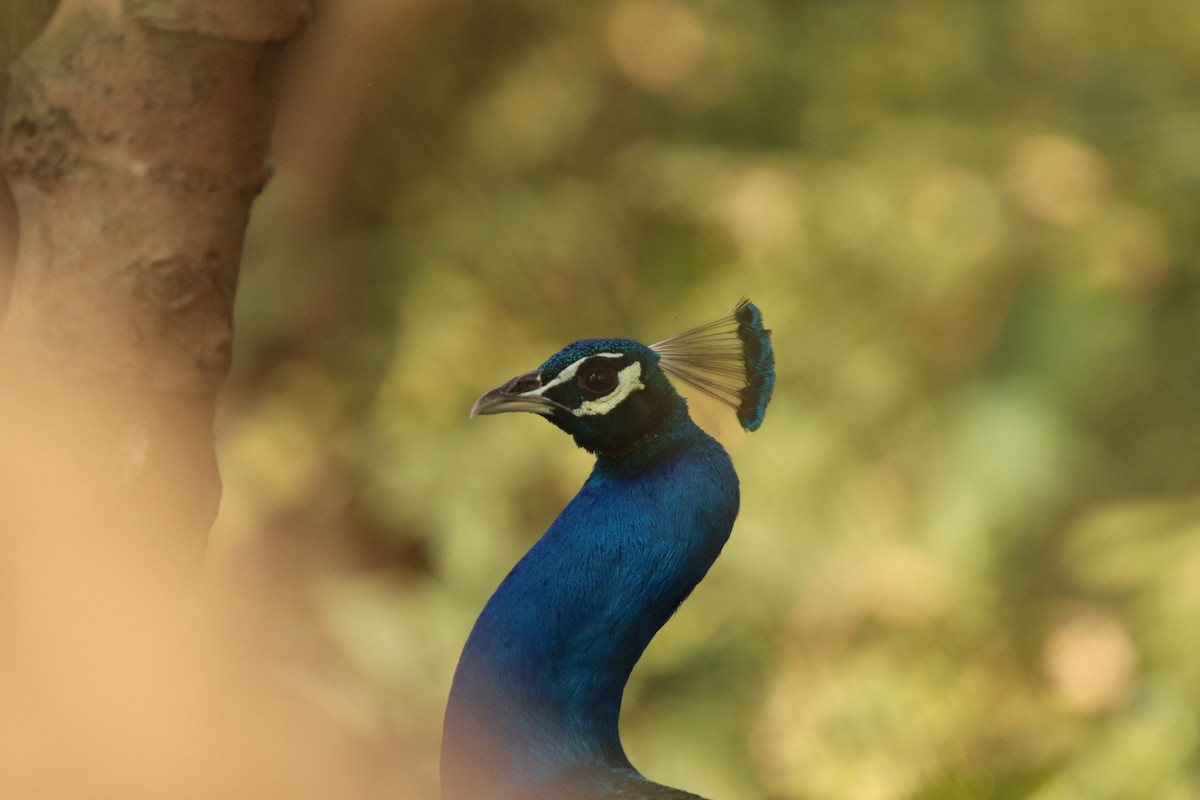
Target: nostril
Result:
[[524, 383]]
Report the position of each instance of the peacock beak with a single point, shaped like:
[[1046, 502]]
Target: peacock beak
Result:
[[522, 393]]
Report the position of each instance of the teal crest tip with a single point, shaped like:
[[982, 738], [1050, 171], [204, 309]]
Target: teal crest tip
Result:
[[729, 359]]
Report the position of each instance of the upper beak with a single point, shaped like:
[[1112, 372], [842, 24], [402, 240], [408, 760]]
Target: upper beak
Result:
[[514, 396]]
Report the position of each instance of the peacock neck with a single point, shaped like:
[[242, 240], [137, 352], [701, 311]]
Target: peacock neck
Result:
[[538, 690]]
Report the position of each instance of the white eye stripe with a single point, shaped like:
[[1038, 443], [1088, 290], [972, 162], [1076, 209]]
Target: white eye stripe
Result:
[[628, 382], [569, 371]]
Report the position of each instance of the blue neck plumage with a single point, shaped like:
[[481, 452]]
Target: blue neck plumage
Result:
[[538, 689]]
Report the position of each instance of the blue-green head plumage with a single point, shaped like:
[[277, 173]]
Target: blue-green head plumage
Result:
[[759, 361], [611, 394]]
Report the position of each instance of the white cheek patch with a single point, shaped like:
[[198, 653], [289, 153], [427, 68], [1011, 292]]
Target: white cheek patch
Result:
[[629, 380]]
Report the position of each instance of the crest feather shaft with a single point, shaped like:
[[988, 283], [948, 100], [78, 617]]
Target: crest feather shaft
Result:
[[729, 359]]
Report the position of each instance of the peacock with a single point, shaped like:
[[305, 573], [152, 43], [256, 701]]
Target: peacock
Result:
[[533, 708]]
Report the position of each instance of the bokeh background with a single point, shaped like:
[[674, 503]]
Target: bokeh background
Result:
[[968, 560]]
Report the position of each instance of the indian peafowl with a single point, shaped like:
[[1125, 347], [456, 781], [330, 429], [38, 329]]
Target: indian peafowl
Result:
[[533, 709]]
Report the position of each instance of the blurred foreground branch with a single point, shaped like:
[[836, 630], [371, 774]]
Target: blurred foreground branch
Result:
[[134, 142], [133, 139]]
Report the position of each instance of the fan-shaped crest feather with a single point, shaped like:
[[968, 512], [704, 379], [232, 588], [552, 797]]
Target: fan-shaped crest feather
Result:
[[729, 359]]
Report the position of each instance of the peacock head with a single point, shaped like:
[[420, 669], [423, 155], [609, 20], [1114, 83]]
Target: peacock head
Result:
[[610, 394]]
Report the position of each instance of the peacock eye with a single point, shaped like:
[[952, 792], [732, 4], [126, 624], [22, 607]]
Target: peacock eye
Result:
[[598, 380]]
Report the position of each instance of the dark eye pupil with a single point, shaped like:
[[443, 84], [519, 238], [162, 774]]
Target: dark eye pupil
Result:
[[599, 380]]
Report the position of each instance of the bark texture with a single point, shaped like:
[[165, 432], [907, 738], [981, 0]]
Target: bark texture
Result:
[[134, 139]]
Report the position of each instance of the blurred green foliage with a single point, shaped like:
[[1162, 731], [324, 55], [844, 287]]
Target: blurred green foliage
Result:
[[968, 561]]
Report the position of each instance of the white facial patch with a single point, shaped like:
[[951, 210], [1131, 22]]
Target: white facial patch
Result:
[[568, 372], [628, 382]]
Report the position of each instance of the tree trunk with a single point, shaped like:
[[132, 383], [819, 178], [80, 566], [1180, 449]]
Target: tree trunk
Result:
[[134, 139]]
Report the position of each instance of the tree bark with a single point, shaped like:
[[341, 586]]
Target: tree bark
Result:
[[134, 138]]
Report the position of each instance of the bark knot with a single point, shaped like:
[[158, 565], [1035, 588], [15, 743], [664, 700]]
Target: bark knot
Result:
[[172, 283], [39, 143]]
